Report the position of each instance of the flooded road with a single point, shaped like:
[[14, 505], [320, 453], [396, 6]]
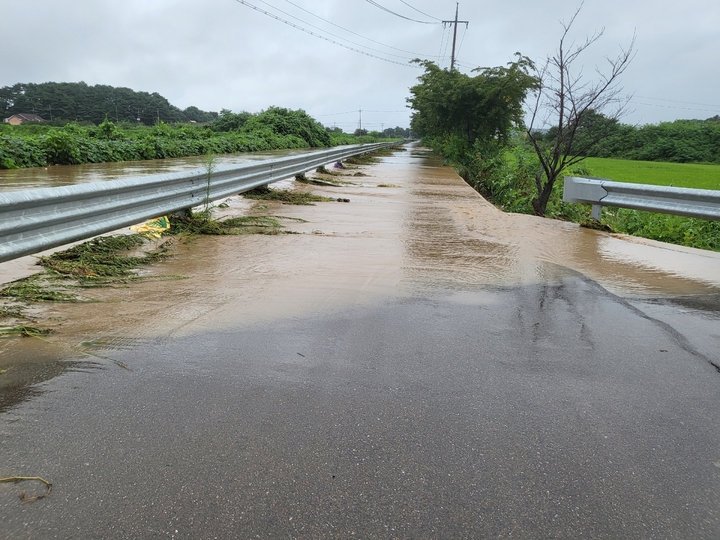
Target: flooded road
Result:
[[412, 364]]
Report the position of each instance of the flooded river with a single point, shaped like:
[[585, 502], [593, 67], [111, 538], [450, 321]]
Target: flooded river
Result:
[[65, 175]]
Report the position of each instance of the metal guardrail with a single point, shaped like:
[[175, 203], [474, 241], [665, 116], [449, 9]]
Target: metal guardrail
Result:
[[38, 219], [700, 203]]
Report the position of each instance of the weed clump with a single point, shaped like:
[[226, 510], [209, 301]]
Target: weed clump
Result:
[[24, 331], [102, 257], [285, 196], [371, 157], [35, 289], [323, 170], [100, 262], [202, 224]]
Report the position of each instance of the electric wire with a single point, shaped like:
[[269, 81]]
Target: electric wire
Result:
[[355, 33], [447, 44], [440, 52], [331, 34], [676, 101], [397, 14], [716, 111], [416, 9], [247, 4], [462, 40]]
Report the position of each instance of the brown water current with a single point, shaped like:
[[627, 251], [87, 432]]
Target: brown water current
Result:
[[65, 175], [431, 233]]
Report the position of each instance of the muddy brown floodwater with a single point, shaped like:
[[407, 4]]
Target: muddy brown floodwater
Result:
[[427, 230]]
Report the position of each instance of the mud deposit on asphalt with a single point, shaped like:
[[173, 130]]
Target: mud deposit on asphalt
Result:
[[429, 232]]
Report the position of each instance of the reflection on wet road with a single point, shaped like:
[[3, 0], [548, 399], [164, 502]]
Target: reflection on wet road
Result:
[[414, 364]]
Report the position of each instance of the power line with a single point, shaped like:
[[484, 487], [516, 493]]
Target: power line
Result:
[[416, 9], [397, 14], [675, 101], [243, 2], [441, 57], [461, 43], [336, 114], [679, 108], [355, 33], [331, 34]]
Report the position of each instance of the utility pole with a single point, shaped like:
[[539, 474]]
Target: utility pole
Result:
[[360, 123], [455, 22]]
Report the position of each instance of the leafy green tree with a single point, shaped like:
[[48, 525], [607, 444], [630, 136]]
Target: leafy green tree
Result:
[[83, 103], [230, 121], [296, 123], [470, 117]]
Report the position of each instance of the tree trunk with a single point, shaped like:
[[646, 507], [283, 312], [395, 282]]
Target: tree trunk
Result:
[[540, 203]]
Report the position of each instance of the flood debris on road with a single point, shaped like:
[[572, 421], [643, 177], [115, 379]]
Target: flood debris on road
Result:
[[203, 224], [24, 498], [285, 196]]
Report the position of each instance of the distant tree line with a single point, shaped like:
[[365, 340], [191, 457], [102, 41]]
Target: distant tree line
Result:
[[79, 102], [681, 141]]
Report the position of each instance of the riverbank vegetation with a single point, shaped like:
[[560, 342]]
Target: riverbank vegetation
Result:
[[95, 124], [39, 145]]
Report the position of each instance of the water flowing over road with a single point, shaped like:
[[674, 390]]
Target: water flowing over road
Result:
[[414, 364]]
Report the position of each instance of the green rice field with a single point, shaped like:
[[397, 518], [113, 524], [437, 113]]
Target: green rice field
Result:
[[690, 175]]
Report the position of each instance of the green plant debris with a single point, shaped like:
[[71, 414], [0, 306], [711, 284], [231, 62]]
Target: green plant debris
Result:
[[388, 185], [36, 289], [12, 312], [323, 170], [362, 159], [371, 157], [25, 331], [24, 499], [286, 196], [201, 224], [333, 182], [360, 174], [101, 262], [102, 257]]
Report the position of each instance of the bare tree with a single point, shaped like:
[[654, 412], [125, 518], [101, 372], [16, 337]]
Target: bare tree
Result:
[[565, 97]]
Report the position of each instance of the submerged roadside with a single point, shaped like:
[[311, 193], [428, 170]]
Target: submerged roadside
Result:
[[406, 229]]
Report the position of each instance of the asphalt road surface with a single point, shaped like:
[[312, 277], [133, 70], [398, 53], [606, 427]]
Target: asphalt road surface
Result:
[[417, 368]]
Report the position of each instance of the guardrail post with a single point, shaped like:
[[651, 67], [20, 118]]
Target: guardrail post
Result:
[[596, 212]]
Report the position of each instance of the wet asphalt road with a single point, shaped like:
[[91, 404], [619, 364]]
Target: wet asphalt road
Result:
[[544, 411]]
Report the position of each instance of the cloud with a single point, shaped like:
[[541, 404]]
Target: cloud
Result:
[[221, 54]]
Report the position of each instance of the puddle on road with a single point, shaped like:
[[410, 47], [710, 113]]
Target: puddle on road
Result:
[[431, 234]]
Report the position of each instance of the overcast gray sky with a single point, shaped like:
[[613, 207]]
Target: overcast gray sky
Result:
[[223, 54]]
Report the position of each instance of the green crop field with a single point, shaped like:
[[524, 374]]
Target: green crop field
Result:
[[690, 175]]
